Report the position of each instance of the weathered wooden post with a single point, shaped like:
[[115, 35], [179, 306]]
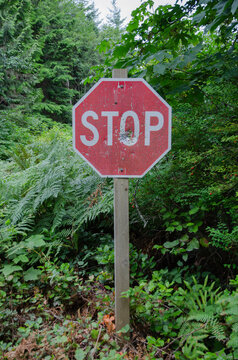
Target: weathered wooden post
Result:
[[121, 240]]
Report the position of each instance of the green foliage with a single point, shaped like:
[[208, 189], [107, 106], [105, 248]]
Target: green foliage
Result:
[[221, 238], [141, 266], [45, 52], [67, 51], [179, 48], [17, 51], [196, 317], [41, 302], [193, 190], [47, 203]]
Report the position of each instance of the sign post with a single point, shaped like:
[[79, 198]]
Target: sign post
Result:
[[121, 241], [122, 128]]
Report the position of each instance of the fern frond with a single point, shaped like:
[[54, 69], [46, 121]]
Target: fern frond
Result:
[[203, 317], [194, 347], [59, 213], [212, 324], [235, 327], [233, 342], [232, 310], [217, 330]]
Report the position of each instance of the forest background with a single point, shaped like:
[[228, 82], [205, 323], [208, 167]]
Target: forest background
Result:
[[56, 213]]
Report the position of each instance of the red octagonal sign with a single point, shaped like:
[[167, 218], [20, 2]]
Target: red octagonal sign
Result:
[[122, 127]]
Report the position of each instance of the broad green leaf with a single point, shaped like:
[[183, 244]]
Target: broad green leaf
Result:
[[32, 274], [170, 228], [21, 258], [125, 329], [94, 333], [104, 46], [80, 354], [194, 210], [160, 55], [120, 50], [9, 269], [198, 17], [193, 245], [194, 228], [159, 69], [157, 247], [35, 241], [106, 337], [61, 339], [185, 237], [155, 342], [171, 244], [234, 7], [185, 257], [133, 25], [151, 286]]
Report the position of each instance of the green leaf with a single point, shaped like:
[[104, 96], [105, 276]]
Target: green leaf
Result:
[[35, 241], [157, 247], [170, 228], [151, 286], [194, 210], [171, 244], [106, 337], [104, 46], [204, 242], [125, 329], [185, 238], [234, 7], [193, 245], [120, 51], [160, 55], [133, 25], [32, 274], [21, 258], [159, 69], [80, 354], [185, 257], [61, 339], [94, 334], [9, 269], [194, 228], [198, 17]]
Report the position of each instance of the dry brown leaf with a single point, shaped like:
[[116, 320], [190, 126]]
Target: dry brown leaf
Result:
[[26, 345], [109, 322]]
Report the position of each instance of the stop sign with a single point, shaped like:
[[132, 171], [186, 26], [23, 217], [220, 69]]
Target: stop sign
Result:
[[122, 127]]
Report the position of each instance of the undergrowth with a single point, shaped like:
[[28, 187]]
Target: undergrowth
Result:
[[61, 314], [57, 257]]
